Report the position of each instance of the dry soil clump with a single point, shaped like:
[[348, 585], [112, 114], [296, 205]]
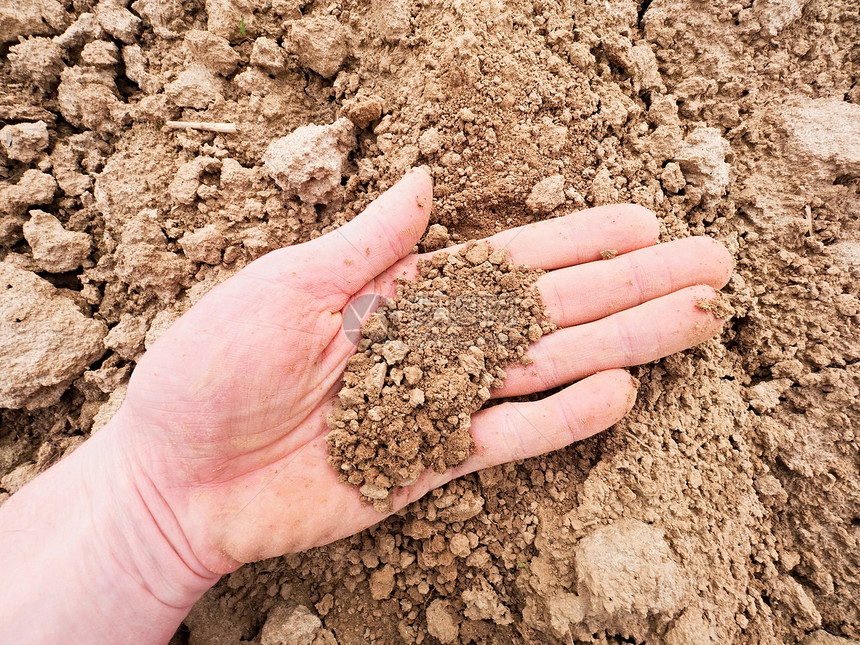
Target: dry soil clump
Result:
[[427, 361]]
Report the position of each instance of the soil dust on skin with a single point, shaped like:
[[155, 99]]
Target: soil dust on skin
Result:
[[724, 508]]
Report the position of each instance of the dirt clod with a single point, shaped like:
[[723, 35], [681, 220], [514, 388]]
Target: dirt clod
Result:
[[309, 162], [624, 573], [382, 582], [547, 195], [203, 245], [294, 626], [118, 21], [702, 160], [320, 43], [33, 189], [54, 248], [38, 17], [483, 603], [25, 141], [437, 237], [196, 88], [45, 340], [440, 623], [213, 51], [719, 305], [267, 55]]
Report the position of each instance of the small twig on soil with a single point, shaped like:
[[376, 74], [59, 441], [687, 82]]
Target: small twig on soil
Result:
[[223, 128], [641, 442]]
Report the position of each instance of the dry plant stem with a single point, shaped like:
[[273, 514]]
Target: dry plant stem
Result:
[[206, 126]]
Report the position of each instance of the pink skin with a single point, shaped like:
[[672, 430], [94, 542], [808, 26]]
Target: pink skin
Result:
[[218, 455]]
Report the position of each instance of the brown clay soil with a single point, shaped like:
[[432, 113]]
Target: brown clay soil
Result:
[[427, 361], [725, 508]]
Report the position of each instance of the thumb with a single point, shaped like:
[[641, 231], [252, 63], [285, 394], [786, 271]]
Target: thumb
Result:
[[385, 232]]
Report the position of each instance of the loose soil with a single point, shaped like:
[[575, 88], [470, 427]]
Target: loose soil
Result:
[[724, 508], [426, 362]]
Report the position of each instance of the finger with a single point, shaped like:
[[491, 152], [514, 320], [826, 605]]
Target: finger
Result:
[[573, 239], [639, 335], [345, 260], [587, 292], [513, 431], [579, 237], [383, 233]]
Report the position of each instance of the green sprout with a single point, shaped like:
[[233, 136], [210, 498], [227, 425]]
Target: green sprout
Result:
[[242, 27], [522, 565]]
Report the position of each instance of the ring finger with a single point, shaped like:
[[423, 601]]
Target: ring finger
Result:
[[632, 337]]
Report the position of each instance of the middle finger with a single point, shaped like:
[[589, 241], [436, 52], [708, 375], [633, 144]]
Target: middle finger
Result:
[[588, 292]]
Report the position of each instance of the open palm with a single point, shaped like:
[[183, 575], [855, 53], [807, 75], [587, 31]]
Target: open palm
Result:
[[226, 413]]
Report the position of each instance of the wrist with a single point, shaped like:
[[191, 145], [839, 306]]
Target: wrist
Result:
[[141, 537], [88, 555]]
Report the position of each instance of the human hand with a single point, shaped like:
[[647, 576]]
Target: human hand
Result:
[[224, 421]]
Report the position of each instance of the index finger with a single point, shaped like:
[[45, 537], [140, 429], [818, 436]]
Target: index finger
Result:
[[579, 237], [561, 242]]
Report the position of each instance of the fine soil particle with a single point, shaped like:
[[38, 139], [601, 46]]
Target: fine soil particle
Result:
[[719, 305], [427, 361]]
